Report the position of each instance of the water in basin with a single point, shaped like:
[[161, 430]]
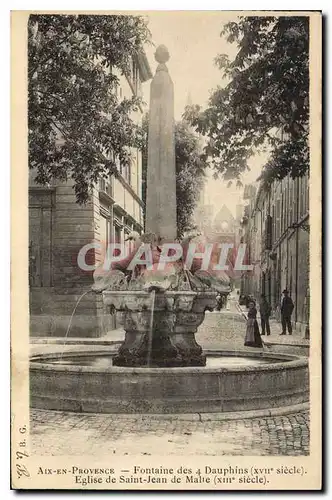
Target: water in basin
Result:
[[105, 361]]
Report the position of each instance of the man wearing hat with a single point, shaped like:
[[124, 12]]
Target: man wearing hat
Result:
[[265, 312], [287, 307]]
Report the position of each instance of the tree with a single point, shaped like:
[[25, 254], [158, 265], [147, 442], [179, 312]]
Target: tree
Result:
[[265, 104], [190, 173], [78, 127]]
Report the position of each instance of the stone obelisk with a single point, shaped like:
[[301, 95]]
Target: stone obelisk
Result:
[[161, 181], [160, 326]]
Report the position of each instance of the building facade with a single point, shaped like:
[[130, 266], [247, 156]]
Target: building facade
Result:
[[59, 228], [222, 228], [276, 230], [203, 214]]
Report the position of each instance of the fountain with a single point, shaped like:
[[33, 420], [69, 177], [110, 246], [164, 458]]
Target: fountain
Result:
[[159, 367], [178, 303]]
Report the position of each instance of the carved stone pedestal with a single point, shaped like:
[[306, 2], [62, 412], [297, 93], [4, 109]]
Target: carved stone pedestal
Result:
[[164, 337], [136, 350]]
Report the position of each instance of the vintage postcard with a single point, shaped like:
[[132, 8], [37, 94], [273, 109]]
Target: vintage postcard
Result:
[[166, 250]]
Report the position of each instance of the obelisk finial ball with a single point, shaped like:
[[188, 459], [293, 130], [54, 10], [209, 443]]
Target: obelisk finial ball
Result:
[[161, 55]]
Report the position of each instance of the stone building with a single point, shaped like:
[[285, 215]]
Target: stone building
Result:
[[59, 228], [276, 230], [225, 229], [223, 225], [220, 228], [203, 215]]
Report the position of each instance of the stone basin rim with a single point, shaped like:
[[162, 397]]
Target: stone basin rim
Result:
[[289, 361], [181, 293]]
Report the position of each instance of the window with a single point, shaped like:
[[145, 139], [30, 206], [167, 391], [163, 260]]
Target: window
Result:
[[278, 219], [290, 205], [118, 238], [117, 234], [40, 238], [103, 228], [105, 236], [118, 91], [286, 205], [138, 174], [268, 233], [110, 186], [304, 196], [224, 226], [102, 185], [129, 244], [106, 185], [294, 200], [126, 172]]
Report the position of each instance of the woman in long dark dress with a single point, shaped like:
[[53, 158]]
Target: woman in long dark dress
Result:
[[252, 338]]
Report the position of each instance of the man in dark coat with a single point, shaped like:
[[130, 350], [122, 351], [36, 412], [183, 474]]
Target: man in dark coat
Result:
[[287, 307], [265, 312]]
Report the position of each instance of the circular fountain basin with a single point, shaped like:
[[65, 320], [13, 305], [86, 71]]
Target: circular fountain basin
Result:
[[231, 381]]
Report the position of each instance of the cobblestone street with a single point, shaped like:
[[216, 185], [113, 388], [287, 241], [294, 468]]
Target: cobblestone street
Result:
[[61, 433], [64, 433]]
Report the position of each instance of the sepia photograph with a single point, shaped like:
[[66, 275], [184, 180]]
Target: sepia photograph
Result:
[[166, 311]]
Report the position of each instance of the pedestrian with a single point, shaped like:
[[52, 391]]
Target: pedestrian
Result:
[[265, 312], [252, 338], [219, 301], [287, 307]]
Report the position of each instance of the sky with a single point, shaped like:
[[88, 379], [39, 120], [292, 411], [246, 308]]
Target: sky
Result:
[[193, 40]]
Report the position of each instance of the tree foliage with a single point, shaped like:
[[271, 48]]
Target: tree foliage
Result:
[[78, 127], [265, 104], [190, 173]]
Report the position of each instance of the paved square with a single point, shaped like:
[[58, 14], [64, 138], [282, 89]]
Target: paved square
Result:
[[65, 433], [62, 433]]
